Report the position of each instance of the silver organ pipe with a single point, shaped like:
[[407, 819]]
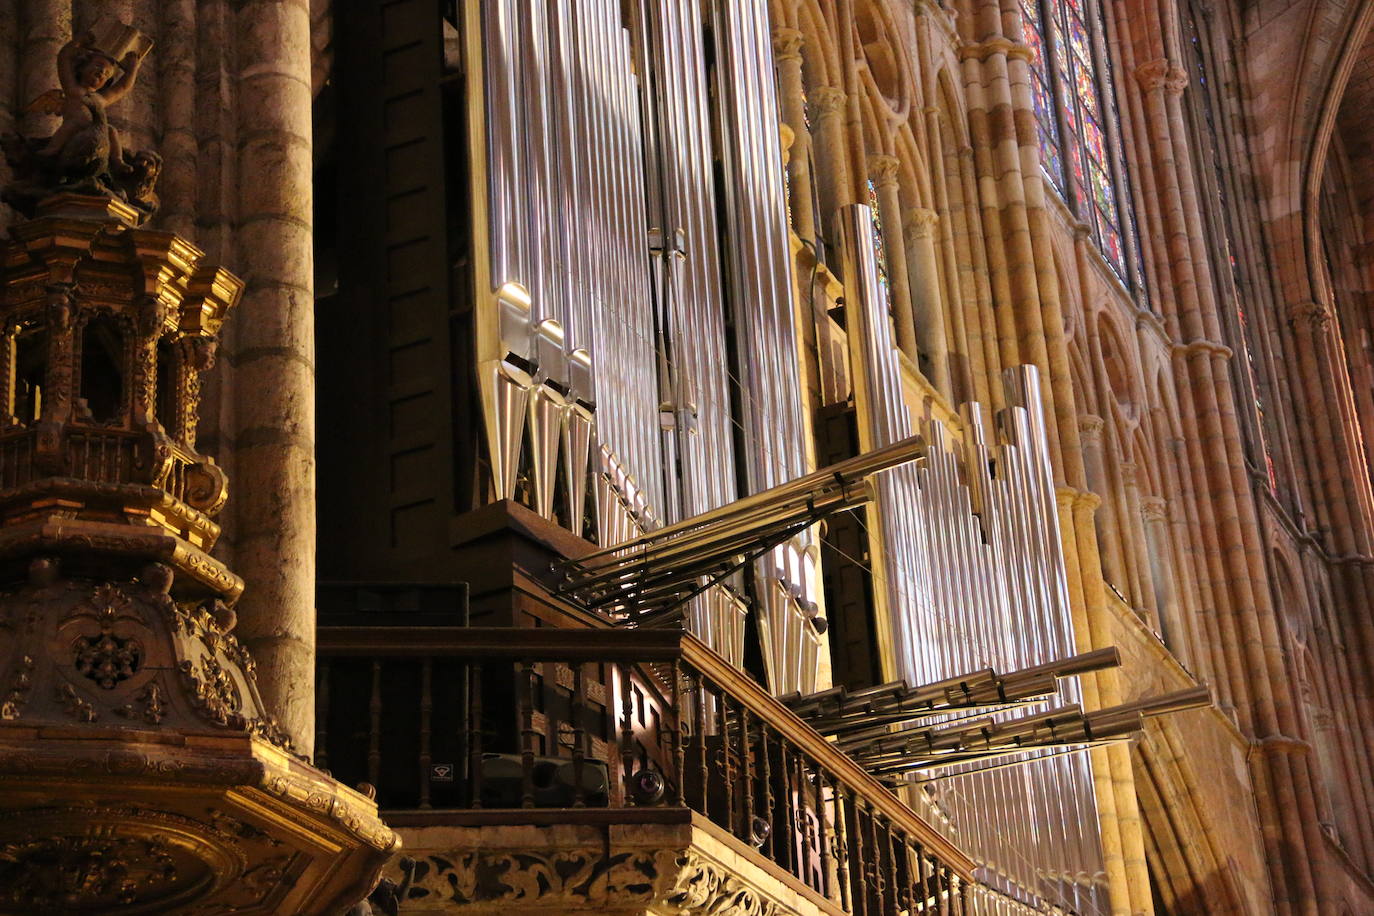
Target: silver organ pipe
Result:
[[760, 291], [969, 572], [565, 215]]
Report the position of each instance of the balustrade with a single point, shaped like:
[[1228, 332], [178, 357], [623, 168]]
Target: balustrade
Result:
[[456, 722]]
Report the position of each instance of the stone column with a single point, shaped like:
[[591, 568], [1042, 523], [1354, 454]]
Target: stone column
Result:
[[1142, 588], [44, 27], [274, 369], [1091, 432], [787, 47], [1154, 516], [176, 86], [919, 224], [883, 170], [828, 111]]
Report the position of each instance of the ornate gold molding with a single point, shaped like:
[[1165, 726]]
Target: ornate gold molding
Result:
[[681, 878]]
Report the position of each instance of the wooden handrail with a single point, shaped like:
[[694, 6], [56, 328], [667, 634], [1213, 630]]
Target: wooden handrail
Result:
[[640, 646], [745, 690], [551, 644]]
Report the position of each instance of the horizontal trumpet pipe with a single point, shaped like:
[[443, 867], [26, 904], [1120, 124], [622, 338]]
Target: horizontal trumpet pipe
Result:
[[848, 475]]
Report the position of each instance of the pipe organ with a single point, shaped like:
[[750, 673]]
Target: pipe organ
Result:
[[603, 250], [632, 222], [973, 576]]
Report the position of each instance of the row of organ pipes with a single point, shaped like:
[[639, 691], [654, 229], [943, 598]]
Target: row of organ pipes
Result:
[[964, 541]]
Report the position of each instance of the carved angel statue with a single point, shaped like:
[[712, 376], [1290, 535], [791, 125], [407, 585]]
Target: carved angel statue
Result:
[[86, 154]]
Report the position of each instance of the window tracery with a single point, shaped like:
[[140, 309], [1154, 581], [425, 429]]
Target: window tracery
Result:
[[1076, 123]]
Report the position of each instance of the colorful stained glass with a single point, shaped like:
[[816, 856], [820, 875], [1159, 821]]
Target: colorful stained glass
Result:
[[1072, 94], [879, 245]]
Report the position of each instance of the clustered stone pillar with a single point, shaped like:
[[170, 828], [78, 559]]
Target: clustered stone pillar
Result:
[[919, 225], [1251, 657], [883, 170], [1022, 271], [787, 50], [274, 365], [828, 110]]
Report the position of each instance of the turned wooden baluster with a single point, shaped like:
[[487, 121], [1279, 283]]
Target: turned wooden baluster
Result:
[[822, 851], [627, 731], [699, 700], [769, 847], [726, 761], [426, 710], [374, 737], [528, 733], [679, 755], [474, 735], [579, 751], [862, 875]]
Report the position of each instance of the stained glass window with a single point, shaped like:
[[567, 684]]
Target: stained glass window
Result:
[[879, 246], [1247, 368], [1076, 121]]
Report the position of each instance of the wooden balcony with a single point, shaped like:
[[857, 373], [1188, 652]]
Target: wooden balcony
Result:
[[548, 770]]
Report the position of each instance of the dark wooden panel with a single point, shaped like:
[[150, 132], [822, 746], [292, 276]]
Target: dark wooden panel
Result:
[[844, 553]]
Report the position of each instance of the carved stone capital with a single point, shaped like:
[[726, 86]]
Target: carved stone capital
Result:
[[996, 45], [788, 44], [1154, 508], [1090, 429], [920, 222], [883, 169], [1311, 316], [1203, 348], [826, 101], [1161, 74]]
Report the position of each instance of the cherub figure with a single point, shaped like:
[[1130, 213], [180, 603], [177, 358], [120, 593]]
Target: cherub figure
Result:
[[91, 82], [86, 154]]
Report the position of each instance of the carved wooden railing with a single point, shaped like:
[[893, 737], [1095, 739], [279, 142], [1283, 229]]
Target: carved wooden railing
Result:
[[448, 723]]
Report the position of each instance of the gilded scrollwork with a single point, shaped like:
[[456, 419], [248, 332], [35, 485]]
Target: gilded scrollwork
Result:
[[20, 685], [680, 879], [56, 872], [213, 690], [106, 658], [151, 705], [75, 705]]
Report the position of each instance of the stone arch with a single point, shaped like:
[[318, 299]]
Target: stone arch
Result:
[[885, 66], [1117, 361], [820, 52]]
